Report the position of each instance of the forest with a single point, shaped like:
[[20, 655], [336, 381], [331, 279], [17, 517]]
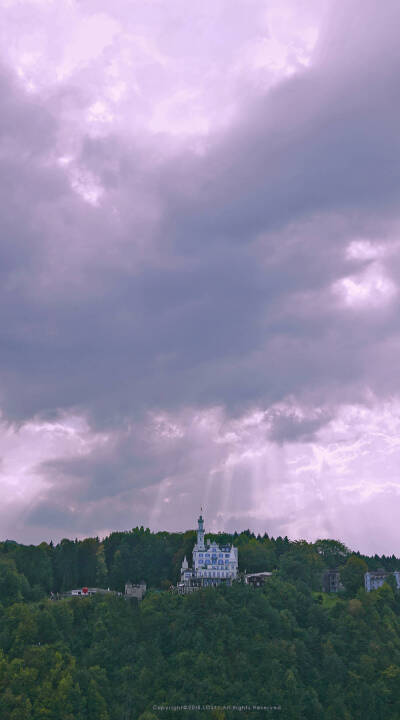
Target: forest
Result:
[[287, 646]]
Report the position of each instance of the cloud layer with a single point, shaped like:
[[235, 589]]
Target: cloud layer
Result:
[[200, 267]]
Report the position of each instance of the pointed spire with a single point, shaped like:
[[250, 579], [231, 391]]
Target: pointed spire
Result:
[[200, 532]]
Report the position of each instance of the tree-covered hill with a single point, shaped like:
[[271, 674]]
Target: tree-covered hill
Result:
[[107, 658], [285, 645]]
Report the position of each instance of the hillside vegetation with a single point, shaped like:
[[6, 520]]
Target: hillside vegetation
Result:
[[284, 645]]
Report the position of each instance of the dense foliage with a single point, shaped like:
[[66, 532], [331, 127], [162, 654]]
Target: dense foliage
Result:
[[157, 557], [286, 644]]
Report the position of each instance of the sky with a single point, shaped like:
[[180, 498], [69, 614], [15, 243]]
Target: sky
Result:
[[200, 268]]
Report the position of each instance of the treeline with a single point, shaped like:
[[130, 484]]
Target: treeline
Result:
[[107, 658], [32, 572]]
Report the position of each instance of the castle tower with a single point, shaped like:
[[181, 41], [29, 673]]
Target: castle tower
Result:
[[200, 533]]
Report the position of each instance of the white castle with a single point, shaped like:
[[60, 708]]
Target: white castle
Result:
[[212, 564]]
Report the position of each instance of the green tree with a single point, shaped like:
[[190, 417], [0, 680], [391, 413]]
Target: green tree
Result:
[[332, 552], [66, 565], [391, 580], [301, 562], [87, 561], [255, 556], [14, 586], [352, 574], [101, 567]]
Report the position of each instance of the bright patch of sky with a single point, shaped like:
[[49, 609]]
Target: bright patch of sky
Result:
[[352, 461]]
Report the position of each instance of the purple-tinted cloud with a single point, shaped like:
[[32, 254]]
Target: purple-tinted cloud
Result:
[[203, 232]]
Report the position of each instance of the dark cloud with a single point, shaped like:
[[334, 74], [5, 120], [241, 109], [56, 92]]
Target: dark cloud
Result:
[[202, 280], [48, 515], [209, 313], [290, 428]]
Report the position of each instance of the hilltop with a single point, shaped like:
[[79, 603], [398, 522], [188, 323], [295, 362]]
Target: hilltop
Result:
[[286, 646], [32, 572]]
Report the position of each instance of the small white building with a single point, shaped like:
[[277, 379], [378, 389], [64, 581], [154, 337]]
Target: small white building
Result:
[[83, 592], [375, 579], [212, 564]]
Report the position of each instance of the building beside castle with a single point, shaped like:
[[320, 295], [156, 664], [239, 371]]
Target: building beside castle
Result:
[[83, 592], [331, 582], [135, 590], [212, 564], [131, 591], [257, 579], [375, 579]]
